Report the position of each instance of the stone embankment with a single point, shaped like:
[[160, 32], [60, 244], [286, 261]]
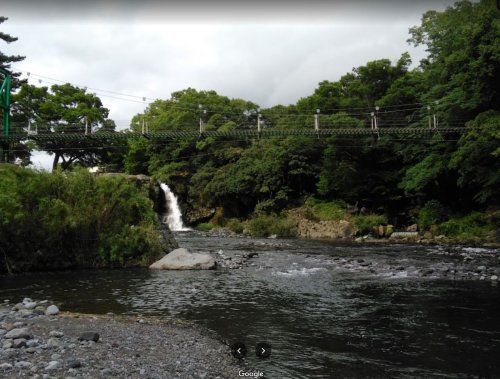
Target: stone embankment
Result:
[[37, 341]]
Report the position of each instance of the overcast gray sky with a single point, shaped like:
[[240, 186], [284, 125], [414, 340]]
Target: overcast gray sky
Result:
[[267, 52]]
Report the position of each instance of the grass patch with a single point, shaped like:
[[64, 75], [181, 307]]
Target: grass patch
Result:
[[235, 225], [317, 210], [472, 226], [205, 226], [366, 223], [267, 225]]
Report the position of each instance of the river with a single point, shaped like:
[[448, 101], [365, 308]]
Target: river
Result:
[[321, 321]]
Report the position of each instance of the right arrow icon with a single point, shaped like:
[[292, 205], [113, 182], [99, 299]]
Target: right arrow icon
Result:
[[263, 350]]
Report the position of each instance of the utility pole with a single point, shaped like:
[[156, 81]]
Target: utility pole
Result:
[[316, 121], [86, 125], [202, 112], [434, 116], [143, 125], [372, 114], [258, 121], [376, 116], [429, 116], [5, 99]]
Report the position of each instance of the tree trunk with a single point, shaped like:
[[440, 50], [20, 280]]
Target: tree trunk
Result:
[[56, 161]]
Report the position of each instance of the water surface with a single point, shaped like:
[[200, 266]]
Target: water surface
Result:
[[322, 322]]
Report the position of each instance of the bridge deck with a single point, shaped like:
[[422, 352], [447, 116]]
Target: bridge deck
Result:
[[266, 133]]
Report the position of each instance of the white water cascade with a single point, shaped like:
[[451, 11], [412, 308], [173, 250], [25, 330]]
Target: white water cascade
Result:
[[174, 215]]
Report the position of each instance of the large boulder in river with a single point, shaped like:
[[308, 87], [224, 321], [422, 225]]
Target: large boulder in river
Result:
[[182, 259]]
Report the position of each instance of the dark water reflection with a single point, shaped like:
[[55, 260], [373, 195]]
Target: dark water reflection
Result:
[[321, 322]]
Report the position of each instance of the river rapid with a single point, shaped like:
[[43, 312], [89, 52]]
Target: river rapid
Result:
[[323, 319]]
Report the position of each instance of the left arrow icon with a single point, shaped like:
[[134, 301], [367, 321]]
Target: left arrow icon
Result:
[[239, 350]]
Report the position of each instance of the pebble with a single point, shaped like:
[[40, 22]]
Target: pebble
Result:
[[18, 333], [7, 344], [23, 365], [18, 343], [30, 305], [53, 365], [55, 357], [32, 342], [5, 366], [56, 333], [73, 363], [52, 310], [494, 277], [89, 336], [54, 342], [107, 372]]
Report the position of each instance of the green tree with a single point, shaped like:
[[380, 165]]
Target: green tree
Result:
[[7, 60], [477, 158], [463, 63], [61, 110]]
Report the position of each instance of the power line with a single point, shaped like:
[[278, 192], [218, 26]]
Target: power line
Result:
[[194, 107]]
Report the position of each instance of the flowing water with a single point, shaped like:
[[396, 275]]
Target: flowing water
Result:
[[322, 322], [173, 218]]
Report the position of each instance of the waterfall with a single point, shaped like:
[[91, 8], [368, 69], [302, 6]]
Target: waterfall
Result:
[[174, 215]]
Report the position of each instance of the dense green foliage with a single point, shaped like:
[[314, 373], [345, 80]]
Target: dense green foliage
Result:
[[396, 180], [475, 226], [56, 220], [430, 214], [443, 182]]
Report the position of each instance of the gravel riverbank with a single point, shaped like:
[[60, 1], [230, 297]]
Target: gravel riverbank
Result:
[[38, 344]]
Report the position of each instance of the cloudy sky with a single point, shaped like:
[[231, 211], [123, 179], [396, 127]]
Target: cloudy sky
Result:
[[267, 52]]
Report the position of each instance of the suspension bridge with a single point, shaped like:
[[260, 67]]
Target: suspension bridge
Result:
[[250, 134], [18, 134]]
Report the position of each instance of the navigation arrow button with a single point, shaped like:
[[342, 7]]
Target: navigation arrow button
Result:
[[239, 350], [263, 350]]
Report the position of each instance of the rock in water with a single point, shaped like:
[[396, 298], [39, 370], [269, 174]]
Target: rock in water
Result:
[[182, 259]]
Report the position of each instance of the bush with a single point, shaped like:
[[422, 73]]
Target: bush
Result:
[[316, 210], [474, 225], [205, 226], [266, 225], [56, 220], [431, 214], [365, 223], [235, 225]]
